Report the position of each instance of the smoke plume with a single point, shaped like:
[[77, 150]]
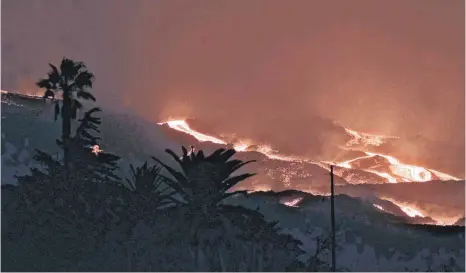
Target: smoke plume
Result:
[[273, 72]]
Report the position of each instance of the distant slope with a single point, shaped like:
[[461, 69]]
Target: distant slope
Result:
[[28, 124], [368, 238], [439, 199]]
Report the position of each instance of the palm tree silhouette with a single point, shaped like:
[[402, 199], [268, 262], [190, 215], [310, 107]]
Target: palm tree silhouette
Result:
[[72, 80], [205, 180]]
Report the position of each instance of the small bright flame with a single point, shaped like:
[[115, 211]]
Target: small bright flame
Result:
[[96, 149]]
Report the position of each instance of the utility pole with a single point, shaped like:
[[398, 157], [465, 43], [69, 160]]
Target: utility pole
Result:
[[332, 212]]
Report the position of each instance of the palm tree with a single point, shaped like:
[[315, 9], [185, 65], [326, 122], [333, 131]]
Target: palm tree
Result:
[[205, 180], [203, 183], [72, 80], [148, 191]]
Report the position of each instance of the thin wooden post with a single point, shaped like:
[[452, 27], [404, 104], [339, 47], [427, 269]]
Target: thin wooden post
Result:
[[332, 212]]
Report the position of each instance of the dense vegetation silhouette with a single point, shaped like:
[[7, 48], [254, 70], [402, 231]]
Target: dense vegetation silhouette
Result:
[[76, 214]]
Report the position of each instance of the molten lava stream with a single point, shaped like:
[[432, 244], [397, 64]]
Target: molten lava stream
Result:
[[399, 172], [182, 126], [409, 210]]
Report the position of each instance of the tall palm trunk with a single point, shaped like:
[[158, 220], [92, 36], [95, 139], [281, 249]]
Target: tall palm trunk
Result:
[[66, 129]]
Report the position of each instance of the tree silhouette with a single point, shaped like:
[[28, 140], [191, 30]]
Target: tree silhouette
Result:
[[87, 167], [72, 79], [205, 180], [95, 167], [148, 191]]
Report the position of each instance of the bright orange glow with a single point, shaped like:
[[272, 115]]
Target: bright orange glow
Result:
[[409, 210], [261, 188], [241, 146], [347, 163], [182, 126], [399, 172], [366, 139], [390, 178]]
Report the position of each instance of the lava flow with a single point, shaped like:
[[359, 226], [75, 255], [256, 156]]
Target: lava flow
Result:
[[399, 172], [242, 146]]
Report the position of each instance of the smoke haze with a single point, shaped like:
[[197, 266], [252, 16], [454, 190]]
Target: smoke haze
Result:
[[274, 71]]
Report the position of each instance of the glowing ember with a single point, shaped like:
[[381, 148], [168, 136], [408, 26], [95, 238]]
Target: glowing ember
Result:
[[293, 203], [96, 149]]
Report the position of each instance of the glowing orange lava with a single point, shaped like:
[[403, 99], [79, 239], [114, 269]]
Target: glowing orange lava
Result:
[[241, 146], [399, 172], [409, 210], [182, 126], [366, 139]]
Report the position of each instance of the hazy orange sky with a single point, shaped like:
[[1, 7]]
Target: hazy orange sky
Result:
[[262, 69]]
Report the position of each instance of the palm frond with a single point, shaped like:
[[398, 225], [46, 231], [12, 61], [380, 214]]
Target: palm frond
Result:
[[44, 83], [206, 179], [77, 104], [200, 155], [144, 178], [184, 162], [227, 155], [177, 175], [85, 95], [69, 68], [54, 75], [84, 79], [231, 182], [49, 94]]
